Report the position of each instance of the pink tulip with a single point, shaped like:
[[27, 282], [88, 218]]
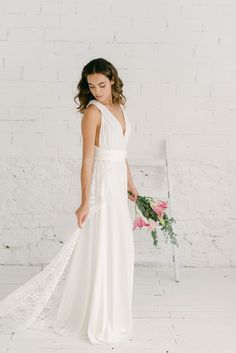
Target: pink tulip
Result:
[[159, 207], [139, 222]]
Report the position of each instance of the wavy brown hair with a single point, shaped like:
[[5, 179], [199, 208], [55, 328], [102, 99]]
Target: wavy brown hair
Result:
[[104, 67]]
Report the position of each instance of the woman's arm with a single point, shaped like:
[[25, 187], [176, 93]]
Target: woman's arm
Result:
[[89, 124], [130, 184]]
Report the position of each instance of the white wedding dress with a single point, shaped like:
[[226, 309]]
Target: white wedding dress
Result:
[[87, 289]]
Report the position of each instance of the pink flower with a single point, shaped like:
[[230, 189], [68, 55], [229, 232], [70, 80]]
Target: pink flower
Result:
[[139, 222], [159, 207]]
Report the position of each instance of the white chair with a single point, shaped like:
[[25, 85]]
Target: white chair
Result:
[[164, 162]]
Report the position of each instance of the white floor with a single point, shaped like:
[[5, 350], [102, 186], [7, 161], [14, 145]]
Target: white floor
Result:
[[196, 315]]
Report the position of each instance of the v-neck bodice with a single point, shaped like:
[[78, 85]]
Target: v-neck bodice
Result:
[[111, 133]]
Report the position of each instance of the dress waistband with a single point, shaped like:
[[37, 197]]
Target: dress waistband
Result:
[[110, 155]]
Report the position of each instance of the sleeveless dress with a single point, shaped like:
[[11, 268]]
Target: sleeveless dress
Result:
[[87, 289]]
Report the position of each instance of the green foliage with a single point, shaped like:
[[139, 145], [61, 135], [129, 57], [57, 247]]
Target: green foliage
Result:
[[143, 203]]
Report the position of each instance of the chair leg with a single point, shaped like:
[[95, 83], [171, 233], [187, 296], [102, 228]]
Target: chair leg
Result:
[[176, 263]]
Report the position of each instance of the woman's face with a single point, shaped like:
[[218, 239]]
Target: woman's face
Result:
[[100, 86]]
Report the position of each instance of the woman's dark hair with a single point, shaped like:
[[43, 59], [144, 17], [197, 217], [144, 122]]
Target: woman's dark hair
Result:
[[104, 67]]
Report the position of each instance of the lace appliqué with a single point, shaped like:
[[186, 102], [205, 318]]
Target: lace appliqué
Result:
[[99, 184], [35, 303]]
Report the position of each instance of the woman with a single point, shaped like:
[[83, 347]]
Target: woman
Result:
[[86, 290]]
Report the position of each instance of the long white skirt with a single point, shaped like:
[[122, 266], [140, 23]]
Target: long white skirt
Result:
[[87, 289]]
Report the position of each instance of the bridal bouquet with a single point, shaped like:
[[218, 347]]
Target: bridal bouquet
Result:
[[150, 213]]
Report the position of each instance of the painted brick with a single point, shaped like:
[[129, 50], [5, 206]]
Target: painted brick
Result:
[[177, 63]]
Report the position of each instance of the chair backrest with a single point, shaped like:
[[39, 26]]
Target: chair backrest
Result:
[[151, 174]]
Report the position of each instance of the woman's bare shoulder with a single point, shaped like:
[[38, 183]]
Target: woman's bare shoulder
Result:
[[91, 116], [91, 109]]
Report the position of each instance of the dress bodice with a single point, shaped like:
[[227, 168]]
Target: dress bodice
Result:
[[111, 132]]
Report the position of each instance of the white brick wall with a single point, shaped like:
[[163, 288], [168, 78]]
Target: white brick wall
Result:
[[177, 61]]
